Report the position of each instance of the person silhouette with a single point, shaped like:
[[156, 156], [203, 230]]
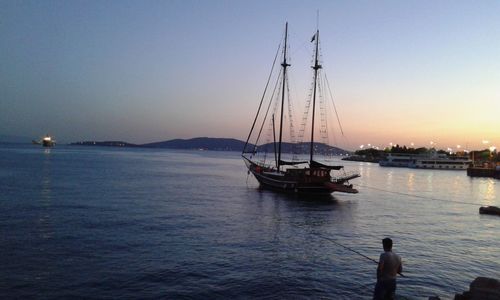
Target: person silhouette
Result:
[[389, 266]]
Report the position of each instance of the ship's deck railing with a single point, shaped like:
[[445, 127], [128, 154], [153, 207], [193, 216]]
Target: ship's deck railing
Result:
[[350, 175]]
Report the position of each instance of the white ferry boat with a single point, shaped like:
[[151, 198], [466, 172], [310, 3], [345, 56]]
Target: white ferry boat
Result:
[[399, 160], [446, 163], [426, 161]]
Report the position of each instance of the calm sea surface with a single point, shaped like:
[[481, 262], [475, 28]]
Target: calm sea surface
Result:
[[109, 223]]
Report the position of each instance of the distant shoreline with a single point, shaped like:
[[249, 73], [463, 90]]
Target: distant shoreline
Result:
[[212, 144]]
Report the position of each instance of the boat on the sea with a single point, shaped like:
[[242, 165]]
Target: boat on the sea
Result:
[[298, 174], [398, 160], [489, 210], [426, 161], [46, 141], [484, 169]]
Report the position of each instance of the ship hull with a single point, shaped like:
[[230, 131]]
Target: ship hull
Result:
[[47, 143], [300, 183]]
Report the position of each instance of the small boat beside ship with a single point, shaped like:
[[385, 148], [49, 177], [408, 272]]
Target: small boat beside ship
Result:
[[489, 210]]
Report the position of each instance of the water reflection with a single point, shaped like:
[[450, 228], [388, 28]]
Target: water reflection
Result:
[[429, 178], [364, 170], [292, 208], [488, 188], [297, 198], [390, 179], [411, 182], [45, 225]]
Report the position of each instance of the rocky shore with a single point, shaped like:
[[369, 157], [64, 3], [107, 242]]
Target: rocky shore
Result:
[[482, 288]]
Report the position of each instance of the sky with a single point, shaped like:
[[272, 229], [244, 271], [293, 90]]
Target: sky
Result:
[[145, 71]]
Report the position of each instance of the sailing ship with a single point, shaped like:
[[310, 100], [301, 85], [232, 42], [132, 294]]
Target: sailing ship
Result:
[[296, 176]]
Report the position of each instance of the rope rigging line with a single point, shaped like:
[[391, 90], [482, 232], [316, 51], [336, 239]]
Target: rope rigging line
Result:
[[290, 111], [267, 112], [263, 95], [418, 196], [333, 102], [329, 129], [308, 103], [322, 101], [323, 111]]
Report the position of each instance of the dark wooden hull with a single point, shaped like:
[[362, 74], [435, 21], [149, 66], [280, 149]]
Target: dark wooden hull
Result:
[[289, 186], [47, 143], [489, 210], [300, 183], [483, 172]]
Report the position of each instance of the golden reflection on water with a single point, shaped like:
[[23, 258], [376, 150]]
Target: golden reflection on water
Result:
[[457, 183], [430, 179], [364, 171], [411, 182], [390, 178], [488, 186]]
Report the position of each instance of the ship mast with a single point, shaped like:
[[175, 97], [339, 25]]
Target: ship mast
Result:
[[274, 142], [284, 65], [316, 67]]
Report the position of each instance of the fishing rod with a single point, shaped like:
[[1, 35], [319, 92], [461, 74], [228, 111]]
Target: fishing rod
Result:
[[352, 250]]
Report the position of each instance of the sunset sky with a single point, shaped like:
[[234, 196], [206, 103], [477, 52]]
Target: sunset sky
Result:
[[145, 71]]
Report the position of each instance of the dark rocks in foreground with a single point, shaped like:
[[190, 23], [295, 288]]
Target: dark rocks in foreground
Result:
[[482, 288]]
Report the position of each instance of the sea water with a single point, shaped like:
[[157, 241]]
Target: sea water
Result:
[[108, 223]]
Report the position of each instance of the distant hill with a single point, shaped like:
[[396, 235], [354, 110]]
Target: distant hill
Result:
[[304, 148], [204, 143], [105, 143], [222, 144]]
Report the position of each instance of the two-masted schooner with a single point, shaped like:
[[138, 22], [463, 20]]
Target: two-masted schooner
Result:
[[295, 176]]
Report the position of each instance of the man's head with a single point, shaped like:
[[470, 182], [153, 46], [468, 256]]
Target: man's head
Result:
[[387, 243]]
